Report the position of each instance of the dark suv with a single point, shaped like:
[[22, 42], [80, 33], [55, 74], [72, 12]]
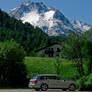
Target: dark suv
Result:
[[46, 81]]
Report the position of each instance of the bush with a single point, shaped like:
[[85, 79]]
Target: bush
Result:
[[85, 83], [12, 68], [81, 83], [58, 65], [33, 54], [88, 83]]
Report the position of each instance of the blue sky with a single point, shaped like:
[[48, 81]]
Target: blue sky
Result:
[[72, 9]]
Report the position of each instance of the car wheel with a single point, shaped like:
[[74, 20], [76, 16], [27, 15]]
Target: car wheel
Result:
[[72, 87], [44, 87], [37, 89], [64, 89]]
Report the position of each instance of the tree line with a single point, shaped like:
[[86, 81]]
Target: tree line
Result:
[[28, 36], [78, 48]]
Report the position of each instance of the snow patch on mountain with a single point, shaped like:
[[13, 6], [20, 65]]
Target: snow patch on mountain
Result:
[[32, 18], [49, 15], [50, 20], [78, 25], [37, 19]]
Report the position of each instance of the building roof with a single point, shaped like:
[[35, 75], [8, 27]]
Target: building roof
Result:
[[46, 47]]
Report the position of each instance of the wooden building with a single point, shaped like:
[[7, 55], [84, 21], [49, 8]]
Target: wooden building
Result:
[[50, 51]]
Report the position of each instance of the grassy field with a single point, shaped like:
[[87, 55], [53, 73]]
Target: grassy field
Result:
[[37, 65]]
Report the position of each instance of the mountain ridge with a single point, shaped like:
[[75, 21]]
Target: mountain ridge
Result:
[[50, 20]]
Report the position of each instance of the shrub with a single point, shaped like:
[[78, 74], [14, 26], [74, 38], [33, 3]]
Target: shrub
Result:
[[85, 83], [12, 68], [58, 65]]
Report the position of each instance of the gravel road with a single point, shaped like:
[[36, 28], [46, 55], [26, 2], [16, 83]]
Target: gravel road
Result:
[[31, 90]]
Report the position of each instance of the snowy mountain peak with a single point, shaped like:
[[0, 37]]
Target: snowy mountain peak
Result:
[[50, 20], [79, 25], [26, 3]]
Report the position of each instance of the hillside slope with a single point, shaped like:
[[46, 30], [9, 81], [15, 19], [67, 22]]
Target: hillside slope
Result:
[[28, 36]]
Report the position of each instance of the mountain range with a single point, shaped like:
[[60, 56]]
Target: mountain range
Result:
[[49, 19]]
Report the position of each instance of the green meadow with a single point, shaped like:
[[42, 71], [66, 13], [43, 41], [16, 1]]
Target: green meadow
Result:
[[39, 65]]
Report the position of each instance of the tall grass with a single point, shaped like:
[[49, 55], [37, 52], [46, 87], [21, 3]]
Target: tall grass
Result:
[[37, 65]]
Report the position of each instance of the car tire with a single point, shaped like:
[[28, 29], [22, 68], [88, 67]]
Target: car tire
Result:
[[72, 87], [64, 89], [44, 87], [37, 89]]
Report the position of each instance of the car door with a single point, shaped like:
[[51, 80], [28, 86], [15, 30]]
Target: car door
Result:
[[60, 83], [43, 79], [55, 82], [52, 81]]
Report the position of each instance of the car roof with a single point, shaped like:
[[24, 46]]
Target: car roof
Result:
[[47, 75]]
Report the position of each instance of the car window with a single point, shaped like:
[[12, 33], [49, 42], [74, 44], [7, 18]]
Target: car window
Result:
[[36, 77], [51, 77], [43, 78], [59, 78], [48, 77]]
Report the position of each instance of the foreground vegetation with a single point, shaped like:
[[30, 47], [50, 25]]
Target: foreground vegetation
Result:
[[12, 68], [38, 65], [78, 48]]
